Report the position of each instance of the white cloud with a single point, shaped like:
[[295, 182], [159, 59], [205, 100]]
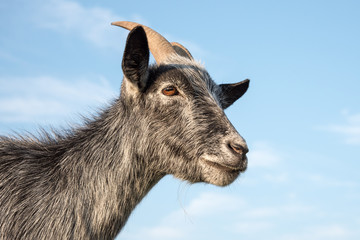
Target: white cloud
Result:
[[89, 23], [259, 221], [321, 180], [263, 155], [321, 232], [262, 212], [207, 204], [194, 48], [211, 213], [184, 223], [331, 231], [163, 232], [157, 232], [213, 203], [38, 98], [280, 178], [251, 227], [93, 24], [9, 57], [350, 130], [214, 214]]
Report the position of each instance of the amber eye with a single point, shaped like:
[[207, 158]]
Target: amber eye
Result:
[[170, 91]]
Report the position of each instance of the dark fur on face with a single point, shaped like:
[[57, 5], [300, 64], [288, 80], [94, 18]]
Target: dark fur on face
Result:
[[84, 183]]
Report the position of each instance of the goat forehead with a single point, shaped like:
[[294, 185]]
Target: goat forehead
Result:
[[201, 82], [190, 73]]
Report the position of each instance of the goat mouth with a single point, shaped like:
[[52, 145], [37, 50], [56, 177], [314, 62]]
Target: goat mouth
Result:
[[226, 168]]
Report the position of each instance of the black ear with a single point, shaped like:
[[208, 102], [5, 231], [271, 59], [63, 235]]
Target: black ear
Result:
[[232, 92], [136, 58]]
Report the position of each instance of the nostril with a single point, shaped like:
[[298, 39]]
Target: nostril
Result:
[[237, 148]]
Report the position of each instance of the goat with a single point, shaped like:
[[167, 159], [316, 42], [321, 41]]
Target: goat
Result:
[[84, 183]]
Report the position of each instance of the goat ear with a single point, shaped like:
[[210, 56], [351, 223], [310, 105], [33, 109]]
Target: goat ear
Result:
[[136, 58], [232, 92]]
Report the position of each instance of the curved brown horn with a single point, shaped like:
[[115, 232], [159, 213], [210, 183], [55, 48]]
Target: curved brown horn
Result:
[[158, 45], [181, 50]]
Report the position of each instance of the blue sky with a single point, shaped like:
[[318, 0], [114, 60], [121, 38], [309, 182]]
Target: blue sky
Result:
[[60, 59]]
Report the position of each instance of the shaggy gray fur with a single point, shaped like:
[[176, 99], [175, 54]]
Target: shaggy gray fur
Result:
[[83, 184]]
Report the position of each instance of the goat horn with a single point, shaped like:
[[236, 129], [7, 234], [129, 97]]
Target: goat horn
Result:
[[181, 50], [158, 45]]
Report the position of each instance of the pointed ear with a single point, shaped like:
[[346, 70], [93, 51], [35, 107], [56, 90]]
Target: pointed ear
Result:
[[232, 92], [136, 58]]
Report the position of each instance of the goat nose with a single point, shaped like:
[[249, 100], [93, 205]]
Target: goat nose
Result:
[[238, 148]]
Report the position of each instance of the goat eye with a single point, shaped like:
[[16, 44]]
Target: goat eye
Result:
[[170, 91]]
